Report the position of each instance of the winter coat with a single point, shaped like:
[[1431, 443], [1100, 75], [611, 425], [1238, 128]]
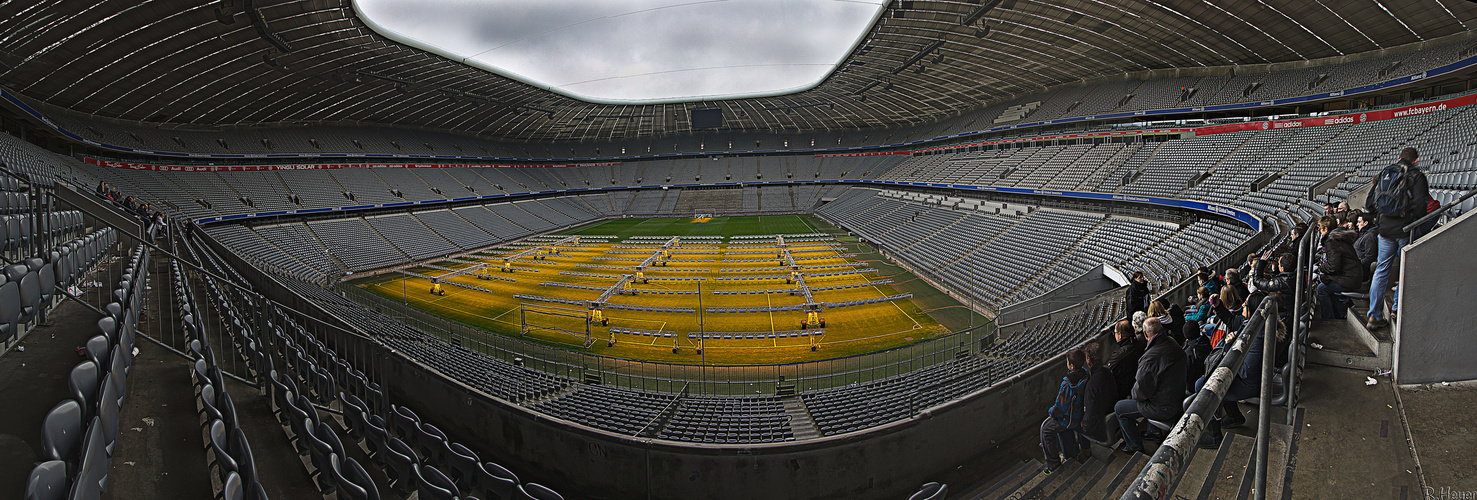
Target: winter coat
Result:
[[1102, 394], [1340, 261], [1159, 385], [1125, 364], [1068, 409], [1138, 296], [1367, 246]]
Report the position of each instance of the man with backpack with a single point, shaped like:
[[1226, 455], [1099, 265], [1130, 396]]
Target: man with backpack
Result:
[[1399, 197]]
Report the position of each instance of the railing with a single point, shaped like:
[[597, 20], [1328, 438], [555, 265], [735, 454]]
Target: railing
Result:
[[1169, 462]]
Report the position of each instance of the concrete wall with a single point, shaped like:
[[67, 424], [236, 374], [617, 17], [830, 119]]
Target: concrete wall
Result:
[[1438, 290], [581, 462]]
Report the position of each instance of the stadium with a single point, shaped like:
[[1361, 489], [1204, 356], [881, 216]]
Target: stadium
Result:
[[917, 249]]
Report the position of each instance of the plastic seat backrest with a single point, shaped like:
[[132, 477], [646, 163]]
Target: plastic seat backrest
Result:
[[61, 432], [434, 484], [535, 491], [83, 383], [498, 480], [356, 474], [48, 481], [347, 490]]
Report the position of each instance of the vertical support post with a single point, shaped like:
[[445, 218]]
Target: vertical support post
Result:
[[1264, 410]]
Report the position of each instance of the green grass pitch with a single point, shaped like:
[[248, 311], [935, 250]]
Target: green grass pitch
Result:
[[849, 330]]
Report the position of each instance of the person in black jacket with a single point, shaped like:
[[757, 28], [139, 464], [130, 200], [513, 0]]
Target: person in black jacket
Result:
[[1341, 269], [1367, 245], [1138, 293], [1158, 389], [1392, 237], [1279, 282], [1102, 393], [1125, 361]]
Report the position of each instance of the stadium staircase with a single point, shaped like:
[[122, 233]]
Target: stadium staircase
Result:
[[1223, 472], [1115, 162], [377, 232], [344, 268], [800, 421]]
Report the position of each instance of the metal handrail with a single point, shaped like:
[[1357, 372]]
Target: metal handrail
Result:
[[1169, 462], [1438, 212]]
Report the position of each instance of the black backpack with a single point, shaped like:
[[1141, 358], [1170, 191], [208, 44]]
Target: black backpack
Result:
[[1392, 194]]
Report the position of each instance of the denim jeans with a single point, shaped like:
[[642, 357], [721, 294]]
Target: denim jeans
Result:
[[1389, 249], [1331, 306], [1128, 418]]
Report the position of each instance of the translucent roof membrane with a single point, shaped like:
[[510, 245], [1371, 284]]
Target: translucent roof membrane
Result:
[[637, 51]]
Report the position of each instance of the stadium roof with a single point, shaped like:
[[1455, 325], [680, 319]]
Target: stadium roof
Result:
[[220, 63], [637, 51]]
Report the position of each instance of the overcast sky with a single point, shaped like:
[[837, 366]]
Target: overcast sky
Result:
[[637, 50]]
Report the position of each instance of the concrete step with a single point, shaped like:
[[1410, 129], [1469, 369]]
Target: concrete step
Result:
[[1225, 481], [800, 421], [1204, 465], [1113, 479], [1080, 479], [1009, 481], [1277, 449], [1040, 481], [1348, 343]]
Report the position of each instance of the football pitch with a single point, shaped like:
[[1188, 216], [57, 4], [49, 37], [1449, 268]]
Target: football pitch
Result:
[[725, 290]]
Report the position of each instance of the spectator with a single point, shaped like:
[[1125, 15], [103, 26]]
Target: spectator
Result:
[[1248, 381], [1060, 431], [1229, 298], [1197, 348], [1341, 212], [1426, 227], [1233, 281], [1138, 293], [1102, 393], [1392, 237], [1367, 246], [1125, 361], [1201, 308], [1176, 318], [1278, 281], [1138, 323], [1157, 312], [1158, 388], [1341, 271]]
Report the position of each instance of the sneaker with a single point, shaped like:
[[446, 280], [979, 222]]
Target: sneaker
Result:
[[1376, 323], [1130, 451], [1050, 468]]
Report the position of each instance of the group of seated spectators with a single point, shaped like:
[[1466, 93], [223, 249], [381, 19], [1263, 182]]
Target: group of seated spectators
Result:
[[1165, 353], [1161, 357], [151, 219]]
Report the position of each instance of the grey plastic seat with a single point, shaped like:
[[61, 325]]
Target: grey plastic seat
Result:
[[497, 480], [220, 445], [30, 293], [400, 463], [931, 491], [48, 481], [535, 491], [319, 451], [245, 461], [233, 489], [431, 443], [11, 309], [406, 422], [464, 465], [434, 485], [61, 432], [355, 473], [107, 413], [83, 384], [347, 490], [354, 411], [375, 437]]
